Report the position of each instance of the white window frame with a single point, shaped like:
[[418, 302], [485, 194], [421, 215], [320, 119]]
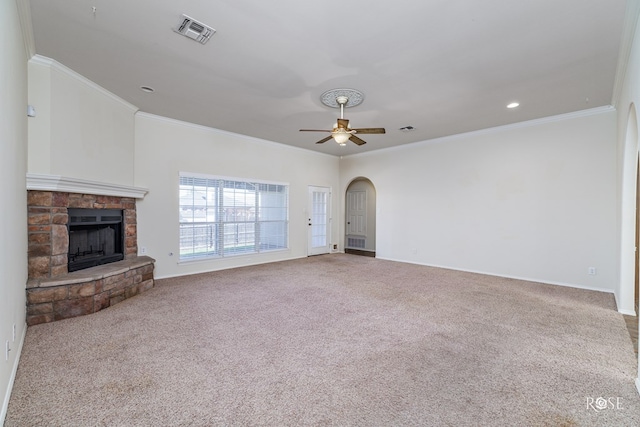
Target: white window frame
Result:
[[226, 216]]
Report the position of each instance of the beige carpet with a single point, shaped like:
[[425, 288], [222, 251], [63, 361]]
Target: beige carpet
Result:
[[334, 340]]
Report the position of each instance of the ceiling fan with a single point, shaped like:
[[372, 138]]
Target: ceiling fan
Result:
[[341, 131]]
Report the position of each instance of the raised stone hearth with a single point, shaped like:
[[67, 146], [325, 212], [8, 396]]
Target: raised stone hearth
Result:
[[52, 292], [87, 291]]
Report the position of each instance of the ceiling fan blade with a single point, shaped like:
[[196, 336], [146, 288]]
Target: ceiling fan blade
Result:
[[314, 130], [357, 140], [343, 124], [370, 130], [322, 141]]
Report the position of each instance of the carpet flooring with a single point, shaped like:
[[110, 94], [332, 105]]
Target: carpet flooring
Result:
[[632, 328], [334, 340]]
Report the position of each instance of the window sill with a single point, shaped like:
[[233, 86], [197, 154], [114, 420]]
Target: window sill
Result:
[[197, 260]]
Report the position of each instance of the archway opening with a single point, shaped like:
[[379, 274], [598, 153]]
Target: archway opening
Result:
[[360, 218], [629, 232], [628, 255]]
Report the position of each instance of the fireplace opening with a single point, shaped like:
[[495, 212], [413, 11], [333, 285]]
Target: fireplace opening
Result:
[[95, 237]]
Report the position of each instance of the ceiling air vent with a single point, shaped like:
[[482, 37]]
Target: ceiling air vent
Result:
[[193, 29]]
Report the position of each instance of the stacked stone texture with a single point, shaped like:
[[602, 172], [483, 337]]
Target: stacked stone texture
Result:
[[48, 233], [48, 304], [48, 248]]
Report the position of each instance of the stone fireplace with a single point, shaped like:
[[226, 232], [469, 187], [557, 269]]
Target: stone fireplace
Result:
[[82, 254]]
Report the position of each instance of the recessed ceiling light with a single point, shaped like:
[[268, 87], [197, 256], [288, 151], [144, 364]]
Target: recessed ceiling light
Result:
[[147, 89], [513, 105]]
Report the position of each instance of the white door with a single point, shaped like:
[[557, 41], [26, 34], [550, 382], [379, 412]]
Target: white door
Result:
[[356, 219], [319, 221]]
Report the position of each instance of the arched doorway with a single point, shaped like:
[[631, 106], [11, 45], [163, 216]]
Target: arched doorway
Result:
[[628, 253], [629, 236], [360, 218]]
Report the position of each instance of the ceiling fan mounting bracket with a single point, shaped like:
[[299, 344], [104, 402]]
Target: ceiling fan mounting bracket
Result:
[[342, 100]]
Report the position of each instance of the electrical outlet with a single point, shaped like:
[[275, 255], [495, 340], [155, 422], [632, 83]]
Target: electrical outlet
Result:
[[591, 271], [6, 351], [143, 250], [335, 247]]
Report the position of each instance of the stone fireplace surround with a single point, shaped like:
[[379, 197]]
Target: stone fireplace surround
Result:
[[52, 292]]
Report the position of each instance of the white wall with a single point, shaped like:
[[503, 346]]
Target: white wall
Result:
[[13, 215], [80, 130], [534, 201], [166, 147]]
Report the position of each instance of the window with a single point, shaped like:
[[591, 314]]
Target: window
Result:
[[226, 216]]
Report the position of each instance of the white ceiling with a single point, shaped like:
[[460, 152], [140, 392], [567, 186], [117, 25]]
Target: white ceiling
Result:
[[442, 66]]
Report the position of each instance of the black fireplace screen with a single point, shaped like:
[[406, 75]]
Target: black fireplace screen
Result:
[[95, 237]]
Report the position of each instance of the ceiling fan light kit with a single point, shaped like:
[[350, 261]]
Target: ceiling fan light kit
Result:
[[341, 132], [341, 136]]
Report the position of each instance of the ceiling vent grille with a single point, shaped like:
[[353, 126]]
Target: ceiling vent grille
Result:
[[193, 29]]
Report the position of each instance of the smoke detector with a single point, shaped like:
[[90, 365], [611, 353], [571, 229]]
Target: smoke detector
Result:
[[193, 29]]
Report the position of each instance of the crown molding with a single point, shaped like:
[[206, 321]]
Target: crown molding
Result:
[[44, 182], [249, 139], [53, 64], [493, 130]]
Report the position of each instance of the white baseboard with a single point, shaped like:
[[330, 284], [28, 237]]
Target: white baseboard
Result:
[[7, 395], [487, 273]]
